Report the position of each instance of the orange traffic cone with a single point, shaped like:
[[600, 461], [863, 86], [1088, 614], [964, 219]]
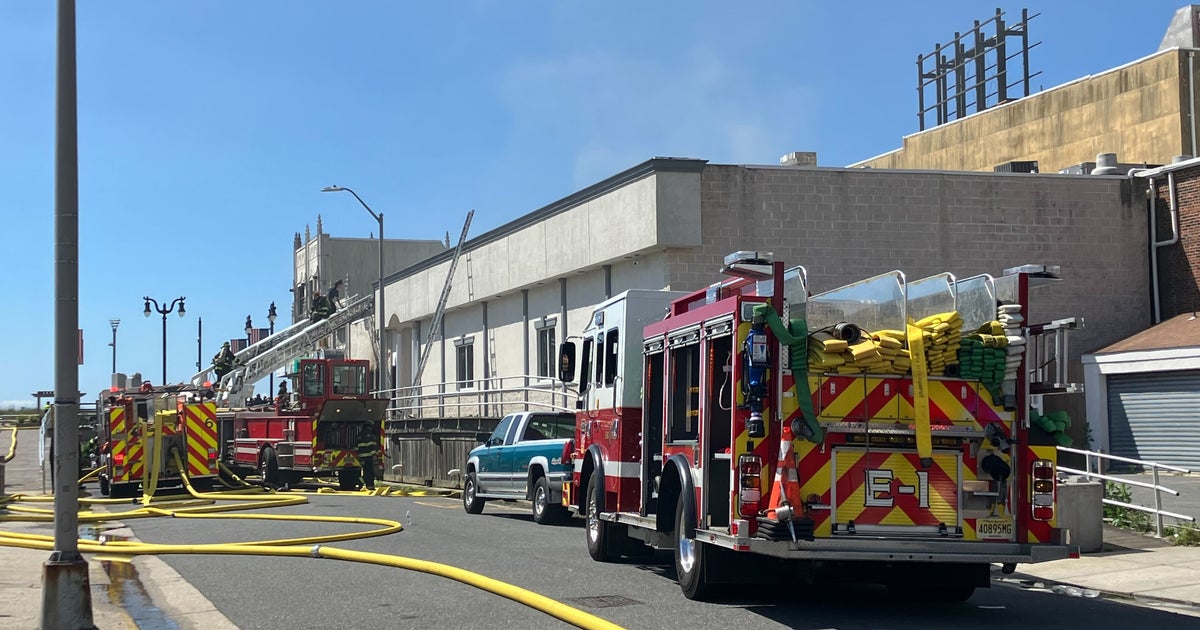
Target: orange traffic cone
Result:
[[785, 490]]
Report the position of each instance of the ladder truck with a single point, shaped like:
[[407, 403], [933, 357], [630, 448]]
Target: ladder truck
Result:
[[315, 433], [887, 431]]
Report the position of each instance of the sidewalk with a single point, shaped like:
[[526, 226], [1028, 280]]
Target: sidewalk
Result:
[[130, 600]]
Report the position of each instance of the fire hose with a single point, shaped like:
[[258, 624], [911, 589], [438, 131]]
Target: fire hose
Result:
[[203, 505]]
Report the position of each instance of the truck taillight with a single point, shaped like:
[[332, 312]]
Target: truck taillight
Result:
[[1042, 486], [119, 459], [568, 454], [749, 484]]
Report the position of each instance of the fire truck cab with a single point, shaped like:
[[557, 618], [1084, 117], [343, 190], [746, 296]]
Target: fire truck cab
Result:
[[886, 431], [315, 433]]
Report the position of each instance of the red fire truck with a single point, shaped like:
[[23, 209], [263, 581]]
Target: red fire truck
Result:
[[141, 429], [315, 434], [888, 431]]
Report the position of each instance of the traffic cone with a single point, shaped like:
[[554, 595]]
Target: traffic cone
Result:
[[785, 490]]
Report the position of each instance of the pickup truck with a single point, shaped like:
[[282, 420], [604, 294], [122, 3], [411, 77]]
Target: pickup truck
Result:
[[522, 459]]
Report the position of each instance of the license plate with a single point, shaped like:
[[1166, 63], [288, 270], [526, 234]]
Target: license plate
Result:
[[994, 528]]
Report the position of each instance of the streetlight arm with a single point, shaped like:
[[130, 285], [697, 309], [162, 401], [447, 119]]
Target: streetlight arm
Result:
[[374, 215]]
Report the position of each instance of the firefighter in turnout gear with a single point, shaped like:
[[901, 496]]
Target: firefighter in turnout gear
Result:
[[368, 451], [223, 361]]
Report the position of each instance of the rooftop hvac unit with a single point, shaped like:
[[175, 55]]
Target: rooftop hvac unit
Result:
[[1030, 166]]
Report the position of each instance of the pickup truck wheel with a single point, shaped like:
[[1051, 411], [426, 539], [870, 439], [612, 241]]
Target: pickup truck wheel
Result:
[[471, 501], [598, 531], [545, 512], [693, 561]]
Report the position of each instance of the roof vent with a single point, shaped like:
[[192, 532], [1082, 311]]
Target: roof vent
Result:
[[799, 158], [1106, 164]]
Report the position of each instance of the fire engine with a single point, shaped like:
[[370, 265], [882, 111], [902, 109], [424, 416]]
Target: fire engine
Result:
[[142, 426], [887, 431], [316, 435]]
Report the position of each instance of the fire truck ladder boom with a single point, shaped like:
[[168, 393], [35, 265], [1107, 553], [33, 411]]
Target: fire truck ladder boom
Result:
[[260, 359], [436, 324]]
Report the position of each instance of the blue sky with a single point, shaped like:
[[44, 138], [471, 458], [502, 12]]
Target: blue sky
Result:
[[206, 129]]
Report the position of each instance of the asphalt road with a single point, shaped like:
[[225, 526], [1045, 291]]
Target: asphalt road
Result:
[[504, 543]]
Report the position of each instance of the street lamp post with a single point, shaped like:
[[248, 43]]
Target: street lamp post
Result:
[[380, 370], [164, 311], [114, 323], [271, 318]]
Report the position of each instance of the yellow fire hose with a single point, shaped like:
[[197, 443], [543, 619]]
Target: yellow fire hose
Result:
[[12, 447], [202, 505]]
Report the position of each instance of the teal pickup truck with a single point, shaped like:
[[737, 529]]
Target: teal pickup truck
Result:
[[526, 457]]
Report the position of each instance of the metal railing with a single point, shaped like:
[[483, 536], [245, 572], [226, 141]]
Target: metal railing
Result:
[[1158, 489], [490, 397]]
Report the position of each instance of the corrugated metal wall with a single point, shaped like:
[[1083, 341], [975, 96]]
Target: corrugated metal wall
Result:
[[1156, 417]]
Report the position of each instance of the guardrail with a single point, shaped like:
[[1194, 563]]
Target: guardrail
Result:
[[1157, 510], [483, 398]]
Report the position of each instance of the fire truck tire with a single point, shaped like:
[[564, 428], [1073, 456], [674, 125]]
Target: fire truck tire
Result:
[[694, 560], [599, 532], [347, 478], [545, 512], [470, 495], [268, 467]]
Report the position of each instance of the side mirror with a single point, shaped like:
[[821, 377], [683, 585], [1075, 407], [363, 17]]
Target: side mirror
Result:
[[482, 437], [566, 362]]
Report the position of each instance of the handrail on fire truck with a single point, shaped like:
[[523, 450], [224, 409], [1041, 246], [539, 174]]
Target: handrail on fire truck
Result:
[[260, 359]]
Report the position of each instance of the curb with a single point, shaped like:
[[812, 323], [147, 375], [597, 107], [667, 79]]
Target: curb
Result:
[[1103, 593]]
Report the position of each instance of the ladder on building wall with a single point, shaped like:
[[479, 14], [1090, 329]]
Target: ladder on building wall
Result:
[[435, 325], [258, 360]]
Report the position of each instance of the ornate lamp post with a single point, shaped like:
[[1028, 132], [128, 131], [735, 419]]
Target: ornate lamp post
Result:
[[164, 311]]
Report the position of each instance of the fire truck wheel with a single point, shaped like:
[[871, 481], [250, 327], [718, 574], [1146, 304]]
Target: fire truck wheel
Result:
[[268, 467], [471, 501], [599, 532], [693, 561], [545, 512], [347, 478]]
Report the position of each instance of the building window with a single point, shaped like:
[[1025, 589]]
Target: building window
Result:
[[465, 362], [547, 348]]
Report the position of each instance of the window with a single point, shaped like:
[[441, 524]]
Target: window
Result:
[[497, 436], [349, 379], [611, 349], [547, 344], [550, 427], [464, 362], [585, 365], [313, 377]]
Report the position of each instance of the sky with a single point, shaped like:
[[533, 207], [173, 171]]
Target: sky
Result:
[[207, 129]]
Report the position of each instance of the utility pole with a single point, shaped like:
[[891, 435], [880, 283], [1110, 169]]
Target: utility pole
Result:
[[66, 592]]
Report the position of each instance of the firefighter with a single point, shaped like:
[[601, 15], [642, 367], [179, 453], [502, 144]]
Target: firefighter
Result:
[[223, 361], [281, 398], [368, 451], [320, 307], [332, 297]]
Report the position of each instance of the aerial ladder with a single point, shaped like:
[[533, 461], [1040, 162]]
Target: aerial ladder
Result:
[[256, 361], [435, 326]]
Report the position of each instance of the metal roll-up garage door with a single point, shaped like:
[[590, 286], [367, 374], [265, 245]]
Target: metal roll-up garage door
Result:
[[1156, 417]]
